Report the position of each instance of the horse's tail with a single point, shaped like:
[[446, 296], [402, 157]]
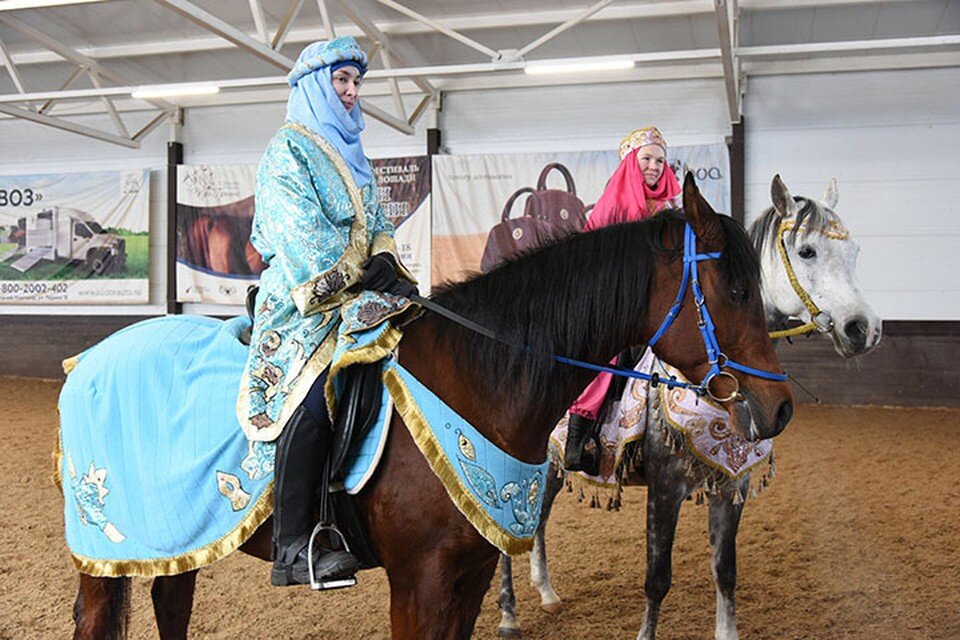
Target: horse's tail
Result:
[[102, 608]]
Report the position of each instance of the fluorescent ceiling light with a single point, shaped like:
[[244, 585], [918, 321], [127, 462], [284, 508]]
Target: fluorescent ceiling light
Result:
[[11, 5], [540, 68], [173, 90]]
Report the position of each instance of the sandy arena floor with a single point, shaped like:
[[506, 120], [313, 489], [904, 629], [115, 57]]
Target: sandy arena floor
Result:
[[857, 537]]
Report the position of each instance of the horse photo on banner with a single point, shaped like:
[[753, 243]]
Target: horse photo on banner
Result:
[[216, 262], [75, 238], [489, 207]]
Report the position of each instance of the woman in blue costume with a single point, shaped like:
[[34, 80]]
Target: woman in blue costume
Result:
[[321, 231]]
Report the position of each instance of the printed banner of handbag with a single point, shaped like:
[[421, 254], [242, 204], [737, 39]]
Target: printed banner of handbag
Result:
[[547, 214]]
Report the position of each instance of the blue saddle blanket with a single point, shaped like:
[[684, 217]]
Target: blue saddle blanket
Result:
[[157, 476]]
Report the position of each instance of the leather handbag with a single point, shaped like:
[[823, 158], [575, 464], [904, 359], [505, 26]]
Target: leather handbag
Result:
[[561, 208], [547, 215]]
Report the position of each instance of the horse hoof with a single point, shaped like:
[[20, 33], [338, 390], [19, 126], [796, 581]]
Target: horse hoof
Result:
[[508, 632], [553, 608]]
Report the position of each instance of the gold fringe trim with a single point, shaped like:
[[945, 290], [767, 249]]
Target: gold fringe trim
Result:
[[188, 561], [405, 405]]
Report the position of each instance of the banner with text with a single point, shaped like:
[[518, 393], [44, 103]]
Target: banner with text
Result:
[[215, 203], [76, 238], [489, 206]]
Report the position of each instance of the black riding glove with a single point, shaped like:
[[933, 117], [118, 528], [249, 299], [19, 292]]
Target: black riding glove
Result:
[[380, 272], [403, 288]]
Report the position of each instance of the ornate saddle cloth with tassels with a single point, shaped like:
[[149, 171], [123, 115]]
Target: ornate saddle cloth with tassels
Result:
[[691, 425]]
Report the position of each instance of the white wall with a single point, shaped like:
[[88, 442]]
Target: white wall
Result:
[[890, 137]]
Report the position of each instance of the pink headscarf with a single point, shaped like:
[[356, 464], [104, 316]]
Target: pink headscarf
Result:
[[627, 198]]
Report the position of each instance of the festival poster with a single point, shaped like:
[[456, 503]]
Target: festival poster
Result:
[[488, 205], [75, 238], [216, 262]]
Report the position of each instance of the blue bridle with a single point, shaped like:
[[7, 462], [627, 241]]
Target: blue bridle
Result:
[[715, 357]]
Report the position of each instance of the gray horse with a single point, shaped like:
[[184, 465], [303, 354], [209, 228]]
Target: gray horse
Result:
[[798, 237]]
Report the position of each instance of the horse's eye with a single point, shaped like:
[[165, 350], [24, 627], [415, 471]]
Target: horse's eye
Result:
[[806, 252], [738, 294]]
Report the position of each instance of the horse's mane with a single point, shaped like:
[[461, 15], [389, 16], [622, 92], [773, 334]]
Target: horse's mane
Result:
[[813, 217], [583, 294]]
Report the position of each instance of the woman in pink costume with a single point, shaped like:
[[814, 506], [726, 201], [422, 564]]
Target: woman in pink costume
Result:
[[641, 186]]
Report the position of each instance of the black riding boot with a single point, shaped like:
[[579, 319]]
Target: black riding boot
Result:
[[575, 456], [300, 461]]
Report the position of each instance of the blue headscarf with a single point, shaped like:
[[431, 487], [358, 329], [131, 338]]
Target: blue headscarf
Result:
[[314, 102]]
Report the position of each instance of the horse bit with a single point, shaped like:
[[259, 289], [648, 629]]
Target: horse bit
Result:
[[820, 321], [716, 358]]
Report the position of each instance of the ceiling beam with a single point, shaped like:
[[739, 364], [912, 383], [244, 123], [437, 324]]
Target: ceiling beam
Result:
[[440, 28], [728, 57], [259, 21], [230, 33], [568, 24], [72, 127], [72, 55], [374, 33], [284, 29]]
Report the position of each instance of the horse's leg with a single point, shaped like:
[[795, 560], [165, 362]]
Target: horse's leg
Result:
[[667, 486], [539, 576], [439, 598], [724, 522], [102, 609], [173, 603], [507, 601]]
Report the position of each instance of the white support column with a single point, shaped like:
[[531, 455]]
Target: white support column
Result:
[[215, 25], [731, 66], [572, 22]]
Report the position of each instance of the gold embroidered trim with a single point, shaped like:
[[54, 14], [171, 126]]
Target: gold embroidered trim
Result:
[[304, 380], [379, 349], [70, 364], [188, 561], [462, 497]]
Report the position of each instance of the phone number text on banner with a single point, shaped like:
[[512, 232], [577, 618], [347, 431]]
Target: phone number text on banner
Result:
[[76, 238]]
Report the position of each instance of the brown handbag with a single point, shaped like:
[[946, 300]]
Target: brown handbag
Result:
[[555, 206], [547, 214]]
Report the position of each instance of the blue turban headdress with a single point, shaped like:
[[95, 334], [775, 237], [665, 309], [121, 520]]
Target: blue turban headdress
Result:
[[314, 102]]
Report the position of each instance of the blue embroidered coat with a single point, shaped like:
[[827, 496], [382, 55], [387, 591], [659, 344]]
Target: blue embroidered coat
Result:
[[314, 228]]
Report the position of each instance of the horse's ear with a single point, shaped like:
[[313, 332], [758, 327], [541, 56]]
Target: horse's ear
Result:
[[830, 194], [783, 202], [700, 215]]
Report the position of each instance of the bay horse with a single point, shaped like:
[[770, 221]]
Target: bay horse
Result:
[[588, 297], [797, 235]]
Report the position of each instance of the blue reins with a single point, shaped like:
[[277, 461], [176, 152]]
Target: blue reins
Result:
[[715, 356]]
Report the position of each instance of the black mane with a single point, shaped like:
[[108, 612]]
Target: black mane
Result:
[[583, 295]]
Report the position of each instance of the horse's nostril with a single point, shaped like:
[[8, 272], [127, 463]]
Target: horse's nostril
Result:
[[783, 415], [856, 330]]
